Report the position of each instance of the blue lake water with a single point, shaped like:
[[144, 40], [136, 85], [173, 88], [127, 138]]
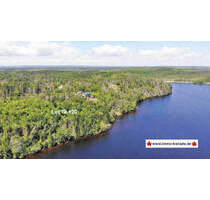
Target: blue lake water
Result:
[[183, 115]]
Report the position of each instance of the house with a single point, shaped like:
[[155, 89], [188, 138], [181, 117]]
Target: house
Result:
[[87, 94], [84, 94]]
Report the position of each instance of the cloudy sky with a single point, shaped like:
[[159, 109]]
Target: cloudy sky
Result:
[[105, 53]]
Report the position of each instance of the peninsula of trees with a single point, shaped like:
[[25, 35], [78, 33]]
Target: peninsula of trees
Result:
[[41, 109]]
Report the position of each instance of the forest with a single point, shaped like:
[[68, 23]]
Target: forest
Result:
[[40, 109]]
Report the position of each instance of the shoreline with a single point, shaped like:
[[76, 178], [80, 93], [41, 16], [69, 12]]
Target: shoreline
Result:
[[87, 137], [186, 82]]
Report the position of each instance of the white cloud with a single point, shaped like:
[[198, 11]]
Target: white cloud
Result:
[[110, 50], [165, 52], [36, 49], [52, 53], [11, 49], [173, 56]]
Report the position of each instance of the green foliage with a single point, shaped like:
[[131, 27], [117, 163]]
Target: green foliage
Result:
[[27, 98]]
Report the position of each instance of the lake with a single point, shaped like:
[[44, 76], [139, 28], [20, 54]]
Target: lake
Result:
[[185, 114]]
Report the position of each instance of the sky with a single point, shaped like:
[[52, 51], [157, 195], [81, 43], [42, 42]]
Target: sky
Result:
[[91, 53]]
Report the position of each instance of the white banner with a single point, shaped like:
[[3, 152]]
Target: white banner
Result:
[[171, 143]]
